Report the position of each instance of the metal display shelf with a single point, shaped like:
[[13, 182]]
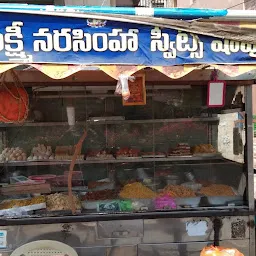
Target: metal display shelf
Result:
[[175, 120], [113, 161]]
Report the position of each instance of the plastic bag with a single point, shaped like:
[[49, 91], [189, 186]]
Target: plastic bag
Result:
[[122, 87], [220, 251], [165, 202]]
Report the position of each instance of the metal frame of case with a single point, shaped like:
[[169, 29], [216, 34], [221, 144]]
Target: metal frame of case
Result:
[[147, 233]]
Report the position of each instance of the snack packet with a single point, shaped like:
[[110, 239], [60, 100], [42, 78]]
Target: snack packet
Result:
[[220, 251]]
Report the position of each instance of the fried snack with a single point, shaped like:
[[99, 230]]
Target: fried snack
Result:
[[60, 202], [203, 149], [178, 191], [100, 195], [21, 203], [137, 190], [217, 190]]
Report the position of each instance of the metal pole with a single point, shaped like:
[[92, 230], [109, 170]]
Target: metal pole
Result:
[[174, 13], [249, 163]]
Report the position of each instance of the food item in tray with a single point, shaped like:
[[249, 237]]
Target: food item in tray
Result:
[[44, 177], [127, 152], [25, 188], [60, 202], [41, 152], [13, 154], [178, 191], [37, 200], [22, 202], [182, 149], [136, 190], [165, 202], [62, 181], [66, 153], [217, 190], [204, 183], [100, 195], [153, 154], [204, 149], [95, 184], [98, 155]]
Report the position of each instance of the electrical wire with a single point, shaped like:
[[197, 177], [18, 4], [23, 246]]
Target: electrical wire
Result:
[[244, 2]]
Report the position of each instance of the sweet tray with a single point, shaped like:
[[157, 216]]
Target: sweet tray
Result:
[[27, 208]]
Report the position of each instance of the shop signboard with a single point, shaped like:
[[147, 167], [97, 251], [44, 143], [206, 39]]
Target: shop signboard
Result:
[[30, 38]]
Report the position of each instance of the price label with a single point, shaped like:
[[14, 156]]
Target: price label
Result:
[[3, 239], [112, 206], [196, 228]]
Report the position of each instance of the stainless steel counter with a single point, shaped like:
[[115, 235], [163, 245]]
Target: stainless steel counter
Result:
[[167, 236]]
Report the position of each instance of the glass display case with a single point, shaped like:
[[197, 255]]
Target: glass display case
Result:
[[171, 154]]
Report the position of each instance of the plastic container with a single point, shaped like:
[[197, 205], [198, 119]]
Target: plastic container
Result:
[[62, 181], [172, 180], [90, 205], [192, 185], [106, 186], [142, 204], [188, 201], [46, 177], [154, 185], [190, 176], [225, 200], [93, 205], [165, 202], [76, 175], [142, 175]]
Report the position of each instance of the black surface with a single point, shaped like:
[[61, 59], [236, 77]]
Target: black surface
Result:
[[124, 216]]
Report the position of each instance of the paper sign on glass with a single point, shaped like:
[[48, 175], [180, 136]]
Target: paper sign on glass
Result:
[[137, 92], [216, 94]]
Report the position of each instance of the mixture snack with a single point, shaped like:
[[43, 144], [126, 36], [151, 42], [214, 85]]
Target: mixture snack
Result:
[[204, 149], [178, 191], [217, 190], [22, 202], [100, 195], [136, 190], [60, 202]]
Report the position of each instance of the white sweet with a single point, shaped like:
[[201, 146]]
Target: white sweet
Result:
[[41, 152]]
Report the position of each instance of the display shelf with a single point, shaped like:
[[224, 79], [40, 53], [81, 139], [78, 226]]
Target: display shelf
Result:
[[174, 120], [113, 161]]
